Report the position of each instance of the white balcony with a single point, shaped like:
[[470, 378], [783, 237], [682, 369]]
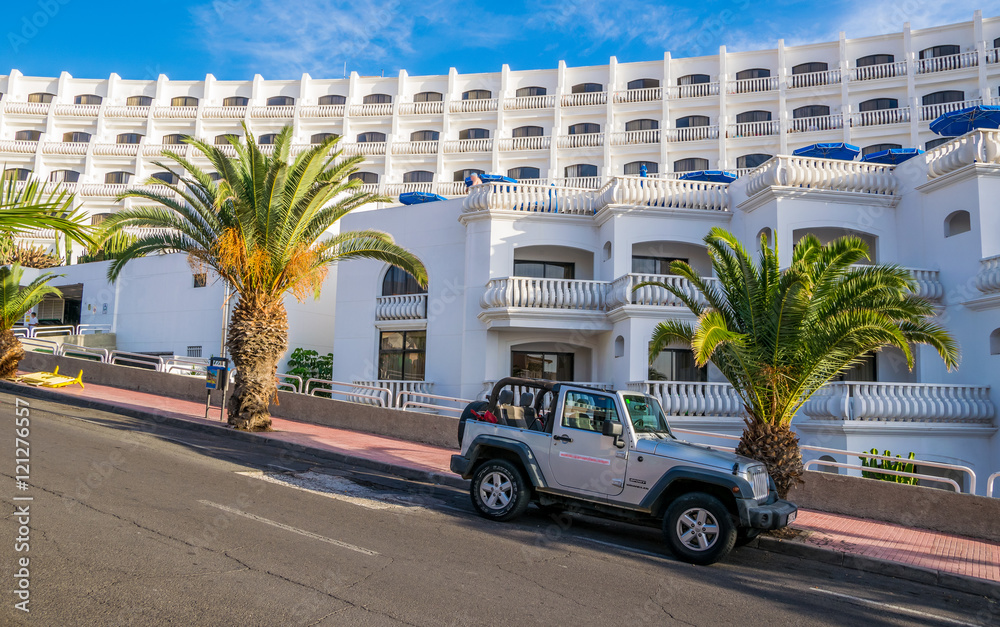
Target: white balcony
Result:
[[65, 148], [929, 113], [286, 112], [443, 188], [27, 108], [581, 140], [753, 129], [178, 112], [928, 284], [323, 111], [372, 109], [902, 402], [542, 142], [823, 174], [623, 292], [530, 198], [363, 148], [628, 138], [408, 307], [988, 277], [116, 150], [691, 133], [752, 85], [585, 99], [646, 94], [421, 108], [881, 117], [156, 150], [697, 90], [521, 103], [415, 148], [814, 79], [221, 113], [532, 293], [947, 63], [18, 146], [877, 72], [479, 105], [127, 112], [980, 146], [87, 111], [692, 399], [819, 123], [579, 182], [666, 193], [468, 145], [993, 55]]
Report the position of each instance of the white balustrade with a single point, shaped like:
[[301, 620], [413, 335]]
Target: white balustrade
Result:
[[881, 117], [469, 145], [753, 129], [90, 111], [988, 277], [875, 72], [947, 63], [156, 150], [371, 109], [646, 94], [363, 148], [928, 284], [649, 136], [232, 113], [581, 182], [535, 293], [65, 148], [993, 55], [673, 193], [477, 105], [530, 198], [429, 147], [395, 189], [390, 390], [451, 188], [18, 146], [529, 102], [828, 174], [581, 140], [979, 146], [697, 90], [177, 112], [816, 123], [902, 402], [406, 307], [323, 111], [421, 108], [752, 85], [929, 113], [27, 108], [526, 143], [694, 399], [691, 133], [280, 112], [623, 290], [585, 99], [814, 79], [126, 112], [116, 150]]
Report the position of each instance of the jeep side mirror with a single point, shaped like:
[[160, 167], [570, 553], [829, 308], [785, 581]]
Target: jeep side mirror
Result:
[[614, 430]]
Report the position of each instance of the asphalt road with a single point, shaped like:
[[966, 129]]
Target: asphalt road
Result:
[[133, 523]]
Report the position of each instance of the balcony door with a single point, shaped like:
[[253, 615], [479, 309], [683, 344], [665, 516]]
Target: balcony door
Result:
[[542, 365]]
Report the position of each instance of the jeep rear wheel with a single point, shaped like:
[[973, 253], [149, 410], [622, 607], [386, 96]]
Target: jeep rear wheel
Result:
[[499, 491], [698, 529]]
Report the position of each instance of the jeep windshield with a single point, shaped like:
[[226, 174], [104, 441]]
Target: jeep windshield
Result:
[[647, 417]]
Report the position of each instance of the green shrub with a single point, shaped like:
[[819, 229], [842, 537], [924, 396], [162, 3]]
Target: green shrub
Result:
[[309, 364]]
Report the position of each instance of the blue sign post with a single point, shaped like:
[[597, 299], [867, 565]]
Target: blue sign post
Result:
[[217, 378]]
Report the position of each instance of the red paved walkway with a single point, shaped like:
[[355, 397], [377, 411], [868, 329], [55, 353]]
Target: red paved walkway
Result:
[[927, 549]]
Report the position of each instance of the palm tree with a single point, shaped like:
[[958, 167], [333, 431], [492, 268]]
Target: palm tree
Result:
[[781, 335], [262, 227], [29, 207], [15, 301]]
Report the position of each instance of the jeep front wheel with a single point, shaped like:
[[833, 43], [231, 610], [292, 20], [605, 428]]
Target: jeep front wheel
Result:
[[499, 491], [698, 529]]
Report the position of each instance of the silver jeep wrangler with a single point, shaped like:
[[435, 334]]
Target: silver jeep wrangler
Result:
[[611, 453]]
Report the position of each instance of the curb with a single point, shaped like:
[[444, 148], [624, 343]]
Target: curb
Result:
[[919, 574], [416, 474]]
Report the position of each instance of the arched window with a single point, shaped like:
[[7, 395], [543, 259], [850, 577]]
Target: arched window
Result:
[[138, 101], [878, 104], [475, 133], [692, 120], [366, 178], [580, 170], [753, 116], [371, 136], [235, 101], [184, 101], [418, 176], [477, 94], [117, 178], [28, 136], [461, 175], [809, 68], [87, 99], [756, 72], [78, 137], [166, 177], [266, 139], [939, 51], [584, 128], [528, 131], [64, 176], [41, 96], [810, 111], [867, 150], [175, 138], [942, 97], [424, 136], [319, 138], [875, 59], [644, 83], [280, 101], [223, 140], [399, 282], [524, 92], [332, 99], [607, 250], [16, 174], [691, 164], [957, 222], [428, 96], [995, 342], [587, 88], [934, 143], [766, 235], [377, 99], [524, 172], [128, 138], [694, 79], [97, 218], [635, 168], [752, 160], [619, 346], [644, 124]]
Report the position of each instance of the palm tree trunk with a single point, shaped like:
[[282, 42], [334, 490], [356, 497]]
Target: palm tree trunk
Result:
[[11, 354], [257, 338], [777, 447]]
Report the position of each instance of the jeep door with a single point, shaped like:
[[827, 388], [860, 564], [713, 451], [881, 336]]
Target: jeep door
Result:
[[581, 458]]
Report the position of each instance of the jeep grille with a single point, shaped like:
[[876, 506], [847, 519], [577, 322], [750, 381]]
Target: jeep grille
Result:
[[758, 480]]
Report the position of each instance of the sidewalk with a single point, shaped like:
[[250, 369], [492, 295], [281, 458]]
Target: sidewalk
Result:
[[950, 561]]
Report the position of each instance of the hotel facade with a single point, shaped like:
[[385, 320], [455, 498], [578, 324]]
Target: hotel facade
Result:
[[536, 279]]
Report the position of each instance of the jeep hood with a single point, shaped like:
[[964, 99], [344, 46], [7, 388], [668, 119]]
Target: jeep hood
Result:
[[698, 454]]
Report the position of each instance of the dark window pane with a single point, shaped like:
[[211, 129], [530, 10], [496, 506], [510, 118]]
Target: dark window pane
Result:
[[475, 133], [676, 365], [587, 88], [332, 99], [398, 282], [941, 97], [28, 136], [77, 137], [934, 143], [653, 265], [939, 51], [117, 178], [867, 150], [544, 269], [223, 140], [367, 178], [40, 97], [878, 104], [377, 99], [753, 116], [390, 366], [428, 96], [530, 131], [166, 177], [371, 136], [402, 355], [266, 139], [176, 138], [811, 111], [753, 73], [129, 138], [16, 174], [391, 340], [692, 120], [461, 175], [694, 79], [580, 170], [691, 164], [635, 168], [184, 101], [477, 94], [418, 176], [644, 83], [524, 172], [807, 68], [752, 160], [319, 138], [875, 59], [584, 128], [551, 366], [87, 99], [64, 176], [235, 101], [424, 136], [642, 125], [280, 101], [138, 101], [530, 91]]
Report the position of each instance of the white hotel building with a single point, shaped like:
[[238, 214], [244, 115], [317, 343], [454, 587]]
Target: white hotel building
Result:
[[536, 278]]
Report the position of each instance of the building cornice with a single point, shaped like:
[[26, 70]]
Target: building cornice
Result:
[[650, 312], [610, 211], [777, 192], [982, 304], [513, 216], [401, 325], [573, 321], [973, 170]]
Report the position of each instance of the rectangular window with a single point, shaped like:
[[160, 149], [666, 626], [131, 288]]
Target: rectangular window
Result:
[[544, 269], [865, 371], [402, 355], [653, 265], [200, 280], [588, 411], [676, 364], [194, 351], [550, 366]]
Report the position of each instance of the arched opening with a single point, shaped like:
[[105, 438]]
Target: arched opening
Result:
[[584, 128], [28, 136], [266, 139], [332, 99], [587, 88], [642, 124], [831, 469], [87, 99], [319, 138], [428, 96], [224, 139], [525, 172], [234, 101], [461, 175], [371, 137], [117, 178], [619, 346], [474, 133], [867, 150], [753, 160], [16, 174], [138, 101], [524, 92], [128, 138], [607, 251], [526, 131], [418, 176], [644, 83], [399, 282], [377, 99], [691, 164], [995, 342], [64, 176], [477, 94], [634, 168], [280, 101], [424, 136], [957, 222], [765, 237], [366, 178], [185, 101], [580, 170], [166, 177]]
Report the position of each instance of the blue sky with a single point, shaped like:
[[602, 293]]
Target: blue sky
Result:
[[235, 39]]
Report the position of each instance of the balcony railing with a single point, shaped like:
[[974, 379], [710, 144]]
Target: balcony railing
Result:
[[691, 133], [529, 102], [18, 146], [116, 150], [646, 94], [408, 307], [580, 182], [468, 145], [753, 129], [388, 390], [929, 285], [421, 108], [65, 148], [530, 293], [875, 72], [988, 277], [902, 402], [622, 293], [814, 79], [415, 148], [323, 111], [282, 112], [530, 198], [667, 193], [176, 112], [372, 109], [363, 148], [816, 123], [881, 117], [127, 112], [156, 150], [823, 174], [89, 111], [958, 61], [627, 138], [478, 105], [230, 113], [697, 90], [692, 399], [751, 85], [27, 108], [980, 146], [929, 113], [526, 143], [581, 140], [585, 99]]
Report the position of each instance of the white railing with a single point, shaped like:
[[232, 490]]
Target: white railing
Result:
[[958, 61], [408, 399], [363, 148], [525, 143], [625, 138], [821, 463], [816, 123], [191, 366], [65, 148], [979, 146], [289, 382], [83, 329], [156, 150], [697, 90], [135, 360], [421, 108], [880, 117], [646, 94], [477, 105], [84, 352], [693, 398], [388, 390], [990, 480], [116, 150], [581, 182], [661, 192], [929, 285], [355, 393], [442, 188], [126, 112], [469, 145], [545, 294], [176, 112], [18, 146], [902, 402], [532, 198], [530, 102], [451, 188], [323, 111], [372, 109], [875, 72], [691, 133], [233, 113], [585, 99], [814, 79], [405, 307], [929, 113], [988, 277], [828, 174], [581, 140], [91, 111], [623, 292], [753, 129], [27, 108], [62, 329], [281, 112], [751, 85], [39, 346], [429, 147], [993, 55]]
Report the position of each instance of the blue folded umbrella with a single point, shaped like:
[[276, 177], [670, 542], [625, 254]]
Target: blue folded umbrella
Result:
[[955, 123], [842, 151], [490, 178], [709, 176], [893, 156], [416, 198]]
